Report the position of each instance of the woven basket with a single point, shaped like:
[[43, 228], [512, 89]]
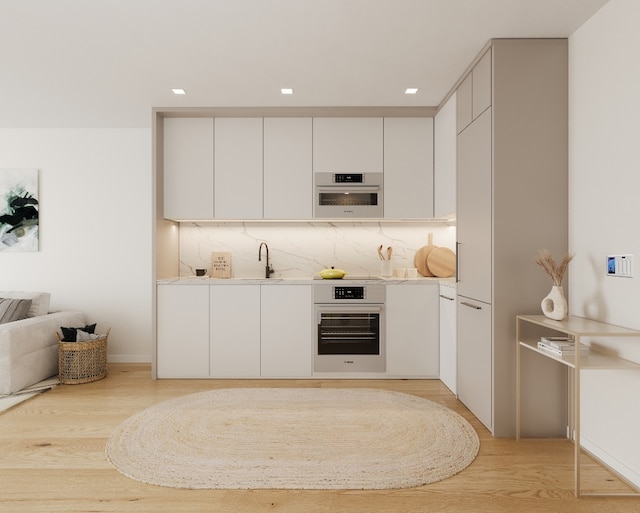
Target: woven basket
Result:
[[82, 362]]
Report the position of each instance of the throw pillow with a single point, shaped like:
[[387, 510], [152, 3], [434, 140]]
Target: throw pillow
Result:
[[70, 334], [13, 309], [39, 301], [83, 336]]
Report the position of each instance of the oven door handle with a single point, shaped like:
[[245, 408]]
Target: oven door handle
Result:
[[347, 309], [347, 188]]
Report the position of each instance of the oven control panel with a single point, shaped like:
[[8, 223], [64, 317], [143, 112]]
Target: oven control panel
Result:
[[327, 293], [349, 293], [348, 178]]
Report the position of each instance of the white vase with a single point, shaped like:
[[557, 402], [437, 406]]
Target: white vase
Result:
[[554, 305]]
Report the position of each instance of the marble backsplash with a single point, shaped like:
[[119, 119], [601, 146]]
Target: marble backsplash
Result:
[[300, 249]]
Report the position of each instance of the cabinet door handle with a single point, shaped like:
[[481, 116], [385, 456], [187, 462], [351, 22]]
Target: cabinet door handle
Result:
[[476, 307], [457, 262], [448, 298]]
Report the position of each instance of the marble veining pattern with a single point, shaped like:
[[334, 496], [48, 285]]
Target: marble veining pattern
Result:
[[301, 249]]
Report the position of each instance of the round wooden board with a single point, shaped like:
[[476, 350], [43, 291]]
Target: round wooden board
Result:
[[442, 262], [420, 260]]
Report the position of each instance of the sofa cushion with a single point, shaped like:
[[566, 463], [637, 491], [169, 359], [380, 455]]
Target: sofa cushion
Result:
[[13, 309], [39, 301]]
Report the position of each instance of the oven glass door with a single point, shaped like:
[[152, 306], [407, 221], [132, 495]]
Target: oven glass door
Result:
[[355, 202], [349, 330], [353, 197]]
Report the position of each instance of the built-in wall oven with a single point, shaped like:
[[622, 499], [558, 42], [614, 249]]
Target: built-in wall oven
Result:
[[348, 195], [350, 328]]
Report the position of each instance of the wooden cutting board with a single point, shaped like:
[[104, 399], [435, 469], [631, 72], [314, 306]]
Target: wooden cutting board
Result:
[[442, 262], [420, 260]]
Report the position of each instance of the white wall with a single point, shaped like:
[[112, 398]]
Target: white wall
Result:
[[95, 228], [604, 180]]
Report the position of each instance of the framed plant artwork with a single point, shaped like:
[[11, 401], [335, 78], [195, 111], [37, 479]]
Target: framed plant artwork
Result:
[[19, 210]]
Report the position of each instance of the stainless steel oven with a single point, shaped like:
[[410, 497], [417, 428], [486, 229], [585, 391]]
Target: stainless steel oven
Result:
[[348, 195], [350, 328]]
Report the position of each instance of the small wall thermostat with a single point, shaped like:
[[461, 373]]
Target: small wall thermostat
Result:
[[620, 265]]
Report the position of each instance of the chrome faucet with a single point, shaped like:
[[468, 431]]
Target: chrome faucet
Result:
[[267, 269]]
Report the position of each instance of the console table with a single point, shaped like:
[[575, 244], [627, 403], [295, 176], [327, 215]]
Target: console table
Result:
[[529, 329]]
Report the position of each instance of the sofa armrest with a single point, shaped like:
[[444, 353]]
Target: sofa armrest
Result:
[[29, 349]]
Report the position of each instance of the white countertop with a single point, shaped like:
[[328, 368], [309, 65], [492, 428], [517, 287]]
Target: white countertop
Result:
[[205, 280]]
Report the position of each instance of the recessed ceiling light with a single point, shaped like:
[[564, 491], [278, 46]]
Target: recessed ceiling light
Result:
[[411, 90], [179, 91], [286, 90]]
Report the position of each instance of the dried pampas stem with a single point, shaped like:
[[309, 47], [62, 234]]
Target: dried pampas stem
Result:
[[554, 271]]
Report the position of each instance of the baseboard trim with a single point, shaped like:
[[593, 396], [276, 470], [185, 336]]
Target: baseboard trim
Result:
[[129, 358]]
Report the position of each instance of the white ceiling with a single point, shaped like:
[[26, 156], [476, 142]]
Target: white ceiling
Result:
[[89, 63]]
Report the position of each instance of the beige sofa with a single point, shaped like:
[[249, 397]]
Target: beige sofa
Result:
[[29, 347]]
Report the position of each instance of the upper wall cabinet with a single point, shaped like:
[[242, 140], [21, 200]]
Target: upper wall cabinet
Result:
[[188, 168], [444, 196], [245, 168], [408, 168], [238, 168], [288, 176], [464, 97], [481, 85], [474, 93], [347, 145]]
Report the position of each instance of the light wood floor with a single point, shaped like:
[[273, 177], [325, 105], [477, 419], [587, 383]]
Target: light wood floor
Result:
[[52, 459]]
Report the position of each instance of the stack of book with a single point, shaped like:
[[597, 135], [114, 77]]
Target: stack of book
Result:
[[561, 346]]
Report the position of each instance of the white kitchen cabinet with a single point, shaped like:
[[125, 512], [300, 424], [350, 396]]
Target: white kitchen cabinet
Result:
[[238, 167], [288, 173], [234, 320], [412, 330], [474, 94], [474, 384], [182, 331], [232, 330], [464, 99], [348, 145], [475, 209], [512, 195], [444, 183], [188, 168], [448, 339], [482, 91], [286, 331], [408, 168]]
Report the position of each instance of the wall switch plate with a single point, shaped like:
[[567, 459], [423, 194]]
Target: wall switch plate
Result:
[[620, 265]]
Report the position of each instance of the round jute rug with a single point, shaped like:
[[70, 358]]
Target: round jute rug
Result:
[[293, 438]]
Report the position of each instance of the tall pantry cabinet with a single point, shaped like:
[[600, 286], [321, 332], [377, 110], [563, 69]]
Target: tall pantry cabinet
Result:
[[512, 195]]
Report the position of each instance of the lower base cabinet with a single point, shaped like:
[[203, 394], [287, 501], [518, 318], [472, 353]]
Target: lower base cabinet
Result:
[[286, 331], [234, 331], [412, 331], [475, 378], [252, 331], [183, 331], [234, 317], [448, 339]]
